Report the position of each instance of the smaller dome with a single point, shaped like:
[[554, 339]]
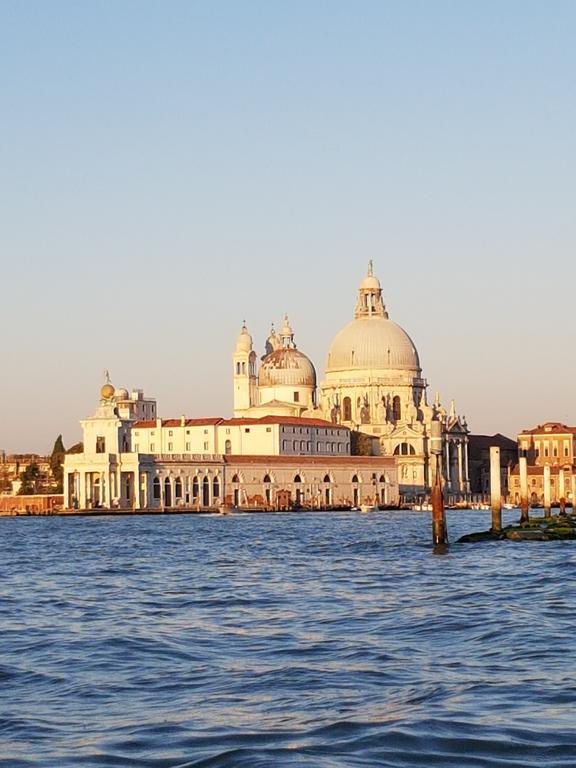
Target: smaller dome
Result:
[[370, 283], [121, 393], [107, 391], [286, 367], [244, 341]]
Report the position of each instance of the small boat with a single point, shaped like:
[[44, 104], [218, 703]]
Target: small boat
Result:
[[368, 508]]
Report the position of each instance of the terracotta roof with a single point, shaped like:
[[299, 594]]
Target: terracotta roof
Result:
[[218, 420], [290, 420], [550, 428], [539, 470], [151, 423]]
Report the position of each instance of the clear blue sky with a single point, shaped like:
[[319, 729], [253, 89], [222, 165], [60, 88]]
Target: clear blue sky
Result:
[[169, 169]]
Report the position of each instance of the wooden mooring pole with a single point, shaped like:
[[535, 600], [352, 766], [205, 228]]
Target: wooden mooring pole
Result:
[[547, 494], [439, 528], [524, 503], [562, 492], [495, 489]]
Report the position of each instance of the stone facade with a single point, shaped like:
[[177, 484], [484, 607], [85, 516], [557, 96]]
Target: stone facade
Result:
[[551, 444], [268, 462], [373, 384]]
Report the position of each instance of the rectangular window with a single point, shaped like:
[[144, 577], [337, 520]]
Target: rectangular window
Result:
[[170, 446], [268, 429], [136, 447], [170, 433], [296, 397], [205, 431], [135, 434], [187, 431], [205, 446], [187, 446], [151, 447], [228, 431], [247, 429], [100, 445]]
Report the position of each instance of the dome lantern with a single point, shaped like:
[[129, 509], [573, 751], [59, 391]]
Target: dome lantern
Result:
[[370, 303]]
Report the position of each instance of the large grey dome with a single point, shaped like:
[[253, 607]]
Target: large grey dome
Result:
[[372, 344]]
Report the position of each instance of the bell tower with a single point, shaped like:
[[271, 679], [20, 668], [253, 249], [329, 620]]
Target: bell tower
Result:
[[245, 383]]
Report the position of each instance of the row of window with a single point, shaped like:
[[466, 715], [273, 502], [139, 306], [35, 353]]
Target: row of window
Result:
[[306, 445], [298, 479], [185, 489]]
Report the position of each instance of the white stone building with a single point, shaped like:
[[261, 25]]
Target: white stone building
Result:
[[373, 384], [271, 462], [373, 388]]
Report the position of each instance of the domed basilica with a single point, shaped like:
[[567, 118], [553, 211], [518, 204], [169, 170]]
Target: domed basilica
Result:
[[373, 384]]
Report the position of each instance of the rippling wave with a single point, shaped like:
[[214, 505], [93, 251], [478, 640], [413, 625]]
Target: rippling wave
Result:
[[310, 640]]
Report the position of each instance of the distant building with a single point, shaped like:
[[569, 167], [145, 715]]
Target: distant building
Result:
[[13, 465], [479, 461], [552, 444]]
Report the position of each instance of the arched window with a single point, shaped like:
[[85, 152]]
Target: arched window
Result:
[[205, 492], [167, 493], [235, 479], [156, 488], [347, 409], [327, 479], [178, 488], [195, 489], [267, 490], [382, 479], [396, 409], [238, 368], [355, 491], [298, 495], [216, 488], [228, 447], [404, 449]]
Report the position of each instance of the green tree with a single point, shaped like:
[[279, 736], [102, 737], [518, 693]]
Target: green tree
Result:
[[57, 463], [361, 444], [31, 479], [5, 484]]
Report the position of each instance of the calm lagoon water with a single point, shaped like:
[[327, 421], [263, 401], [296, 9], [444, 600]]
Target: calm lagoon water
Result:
[[310, 640]]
